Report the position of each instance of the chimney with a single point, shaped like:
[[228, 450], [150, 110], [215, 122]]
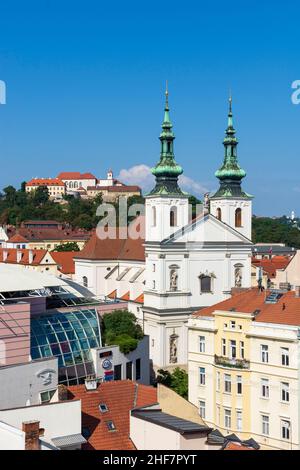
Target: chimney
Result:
[[30, 256], [5, 255], [32, 435], [90, 383], [62, 392], [297, 291], [19, 256]]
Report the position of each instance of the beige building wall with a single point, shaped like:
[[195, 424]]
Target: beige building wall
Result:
[[173, 404], [291, 273]]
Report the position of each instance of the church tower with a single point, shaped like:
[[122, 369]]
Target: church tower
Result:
[[230, 203], [166, 205]]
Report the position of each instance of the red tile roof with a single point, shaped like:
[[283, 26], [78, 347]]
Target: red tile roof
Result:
[[120, 397], [126, 296], [236, 446], [65, 261], [45, 182], [128, 249], [113, 294], [286, 311], [270, 265], [75, 175], [17, 238], [38, 256], [33, 234], [140, 299]]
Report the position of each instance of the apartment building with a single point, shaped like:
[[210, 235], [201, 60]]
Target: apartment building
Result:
[[244, 368], [56, 187]]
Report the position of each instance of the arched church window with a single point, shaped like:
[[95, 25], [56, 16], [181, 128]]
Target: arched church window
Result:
[[173, 217], [219, 214], [85, 281], [154, 216], [169, 147], [71, 184], [238, 217], [205, 283]]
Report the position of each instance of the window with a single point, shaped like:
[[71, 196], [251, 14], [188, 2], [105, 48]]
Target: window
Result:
[[202, 344], [265, 421], [238, 217], [85, 281], [205, 284], [173, 217], [218, 381], [153, 268], [264, 352], [110, 425], [285, 429], [154, 216], [45, 397], [285, 391], [223, 347], [153, 284], [118, 372], [232, 324], [232, 349], [239, 385], [227, 382], [265, 389], [86, 432], [219, 214], [239, 421], [202, 409], [218, 414], [202, 375], [137, 369], [103, 408], [227, 418], [129, 370], [285, 358], [242, 350]]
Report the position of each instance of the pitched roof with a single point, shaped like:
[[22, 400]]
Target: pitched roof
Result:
[[17, 238], [45, 182], [140, 299], [37, 256], [65, 261], [236, 446], [285, 311], [32, 234], [120, 397], [127, 249], [126, 296], [271, 265], [75, 175]]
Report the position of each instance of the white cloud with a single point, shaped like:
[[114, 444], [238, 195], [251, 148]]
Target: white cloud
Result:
[[141, 175]]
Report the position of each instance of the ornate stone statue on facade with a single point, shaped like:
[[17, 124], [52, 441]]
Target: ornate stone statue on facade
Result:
[[173, 280], [173, 348], [238, 277]]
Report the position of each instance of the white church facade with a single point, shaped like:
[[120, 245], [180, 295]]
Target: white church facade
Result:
[[184, 264]]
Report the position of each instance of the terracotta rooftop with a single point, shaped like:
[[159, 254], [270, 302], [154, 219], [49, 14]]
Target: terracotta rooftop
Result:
[[17, 238], [286, 311], [126, 296], [48, 233], [140, 299], [75, 175], [37, 256], [120, 397], [237, 446], [65, 261], [271, 265], [45, 182], [128, 249]]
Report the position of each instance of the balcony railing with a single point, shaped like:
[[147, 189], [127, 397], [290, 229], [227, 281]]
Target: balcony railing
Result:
[[235, 363]]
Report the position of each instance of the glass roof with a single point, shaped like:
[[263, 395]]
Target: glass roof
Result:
[[68, 336]]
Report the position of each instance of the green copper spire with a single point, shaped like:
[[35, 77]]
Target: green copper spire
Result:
[[166, 171], [230, 174]]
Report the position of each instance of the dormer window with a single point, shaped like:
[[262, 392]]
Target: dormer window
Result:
[[111, 426], [103, 408]]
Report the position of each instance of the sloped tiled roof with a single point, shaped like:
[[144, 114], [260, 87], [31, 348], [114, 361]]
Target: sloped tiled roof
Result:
[[45, 182], [120, 397], [285, 311], [38, 256], [65, 261], [75, 175], [140, 299], [32, 234], [128, 249], [236, 446], [271, 265], [17, 238]]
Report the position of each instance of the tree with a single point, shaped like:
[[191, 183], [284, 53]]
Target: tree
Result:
[[177, 380], [70, 246], [40, 195], [121, 328]]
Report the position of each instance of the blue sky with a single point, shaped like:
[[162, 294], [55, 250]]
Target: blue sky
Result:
[[85, 83]]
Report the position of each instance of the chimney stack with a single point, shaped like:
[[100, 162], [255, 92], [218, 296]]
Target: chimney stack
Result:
[[32, 435], [30, 256], [297, 291], [90, 383], [62, 392]]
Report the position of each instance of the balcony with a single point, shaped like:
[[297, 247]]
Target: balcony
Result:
[[234, 363]]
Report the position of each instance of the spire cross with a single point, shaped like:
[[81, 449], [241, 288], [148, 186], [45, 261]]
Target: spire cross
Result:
[[167, 95]]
